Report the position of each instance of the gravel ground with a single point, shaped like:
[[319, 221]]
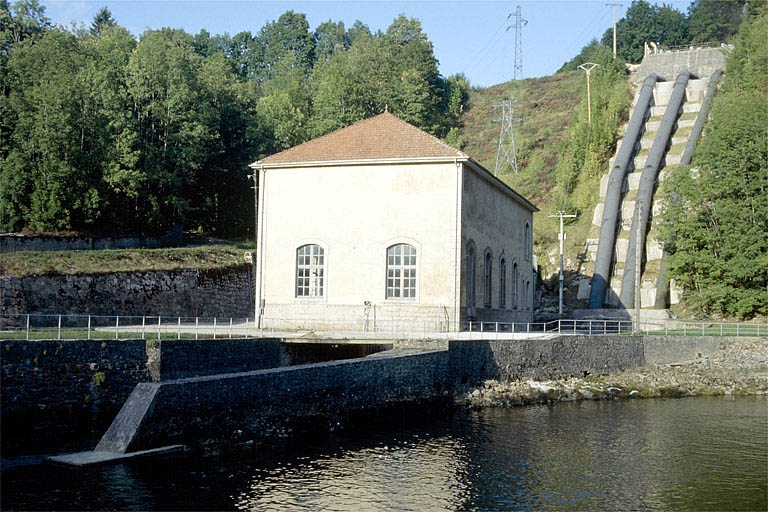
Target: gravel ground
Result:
[[740, 368]]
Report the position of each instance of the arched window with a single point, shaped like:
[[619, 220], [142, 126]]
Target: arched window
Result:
[[471, 276], [310, 271], [528, 242], [401, 272], [528, 295], [515, 285], [502, 282], [487, 299]]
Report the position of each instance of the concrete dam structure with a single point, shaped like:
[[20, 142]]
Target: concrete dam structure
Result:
[[273, 402], [667, 118]]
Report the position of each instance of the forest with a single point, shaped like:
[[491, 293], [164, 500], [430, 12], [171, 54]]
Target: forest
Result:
[[103, 133]]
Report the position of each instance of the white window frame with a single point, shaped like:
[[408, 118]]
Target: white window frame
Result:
[[311, 270], [402, 272]]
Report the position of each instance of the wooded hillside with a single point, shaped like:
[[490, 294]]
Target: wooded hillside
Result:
[[104, 133]]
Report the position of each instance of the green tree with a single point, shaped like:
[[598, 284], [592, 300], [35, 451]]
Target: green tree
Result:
[[23, 20], [715, 20], [330, 37], [171, 132], [716, 219], [643, 23], [44, 184], [102, 21], [286, 40]]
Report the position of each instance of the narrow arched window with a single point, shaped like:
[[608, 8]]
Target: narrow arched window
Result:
[[528, 295], [487, 298], [401, 272], [502, 283], [528, 242], [310, 271], [515, 285], [471, 276]]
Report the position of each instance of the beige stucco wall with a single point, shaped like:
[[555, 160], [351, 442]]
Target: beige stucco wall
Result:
[[494, 220], [355, 212]]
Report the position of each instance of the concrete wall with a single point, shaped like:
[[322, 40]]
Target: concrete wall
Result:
[[271, 404], [14, 242], [281, 402], [224, 293], [52, 392], [701, 62], [493, 221], [355, 213]]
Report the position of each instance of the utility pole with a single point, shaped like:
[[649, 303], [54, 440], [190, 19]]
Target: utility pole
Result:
[[506, 152], [614, 27], [588, 67], [518, 26], [562, 215]]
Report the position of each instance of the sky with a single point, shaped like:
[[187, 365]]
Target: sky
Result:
[[468, 36]]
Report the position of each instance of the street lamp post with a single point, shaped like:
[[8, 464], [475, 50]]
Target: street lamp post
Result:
[[588, 67], [561, 236]]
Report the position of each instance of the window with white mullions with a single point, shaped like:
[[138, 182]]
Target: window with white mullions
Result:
[[310, 271], [401, 272]]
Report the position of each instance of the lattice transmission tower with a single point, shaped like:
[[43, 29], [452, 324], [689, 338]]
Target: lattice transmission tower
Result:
[[506, 152], [518, 26]]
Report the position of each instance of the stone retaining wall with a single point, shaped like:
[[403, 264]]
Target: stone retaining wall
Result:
[[224, 293], [55, 393], [15, 242], [58, 392], [45, 382]]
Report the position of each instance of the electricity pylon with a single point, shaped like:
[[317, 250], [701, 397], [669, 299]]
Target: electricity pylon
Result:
[[506, 152], [518, 26]]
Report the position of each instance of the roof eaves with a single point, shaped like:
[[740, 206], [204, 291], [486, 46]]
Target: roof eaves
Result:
[[460, 157]]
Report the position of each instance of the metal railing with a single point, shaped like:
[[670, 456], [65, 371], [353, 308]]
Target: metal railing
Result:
[[87, 327]]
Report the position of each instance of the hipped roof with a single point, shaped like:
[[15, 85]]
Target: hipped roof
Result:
[[383, 137]]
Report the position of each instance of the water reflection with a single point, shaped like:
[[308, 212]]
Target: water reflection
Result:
[[703, 454], [416, 473], [689, 454]]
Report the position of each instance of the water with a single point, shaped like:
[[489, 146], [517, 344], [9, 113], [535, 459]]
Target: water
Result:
[[687, 454]]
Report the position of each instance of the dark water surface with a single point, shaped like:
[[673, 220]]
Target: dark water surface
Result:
[[685, 454]]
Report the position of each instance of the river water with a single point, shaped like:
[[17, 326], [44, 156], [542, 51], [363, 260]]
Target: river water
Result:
[[684, 454]]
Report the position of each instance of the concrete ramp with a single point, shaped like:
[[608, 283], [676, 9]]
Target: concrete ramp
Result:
[[122, 431], [117, 441]]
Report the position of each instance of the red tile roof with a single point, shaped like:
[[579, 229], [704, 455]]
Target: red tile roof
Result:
[[383, 137]]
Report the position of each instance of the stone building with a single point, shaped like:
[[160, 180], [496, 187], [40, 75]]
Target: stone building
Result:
[[382, 226]]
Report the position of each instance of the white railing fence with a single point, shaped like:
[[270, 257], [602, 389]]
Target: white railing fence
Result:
[[58, 327]]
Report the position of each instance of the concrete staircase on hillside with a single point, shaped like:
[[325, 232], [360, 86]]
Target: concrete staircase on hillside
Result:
[[653, 250]]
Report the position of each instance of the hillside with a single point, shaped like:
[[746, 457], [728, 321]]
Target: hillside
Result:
[[546, 108]]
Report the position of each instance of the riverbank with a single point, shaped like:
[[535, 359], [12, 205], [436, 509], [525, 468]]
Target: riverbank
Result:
[[739, 368]]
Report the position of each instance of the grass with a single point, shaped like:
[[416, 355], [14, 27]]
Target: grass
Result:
[[81, 334], [218, 255]]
